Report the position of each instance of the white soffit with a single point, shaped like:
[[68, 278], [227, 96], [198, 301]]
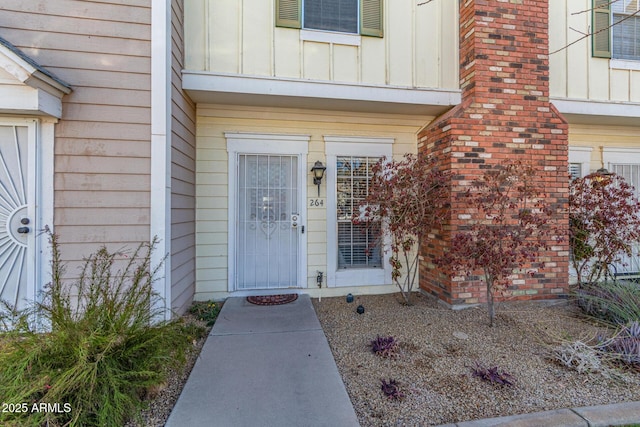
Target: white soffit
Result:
[[27, 88], [217, 88]]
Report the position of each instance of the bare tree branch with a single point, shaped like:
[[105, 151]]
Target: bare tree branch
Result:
[[578, 31]]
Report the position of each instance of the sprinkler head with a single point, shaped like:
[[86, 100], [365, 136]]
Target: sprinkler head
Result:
[[349, 298], [360, 309]]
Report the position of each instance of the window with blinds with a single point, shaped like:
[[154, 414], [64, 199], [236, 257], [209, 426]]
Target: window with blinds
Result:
[[345, 16], [626, 29], [331, 15], [359, 245], [629, 265], [575, 170], [630, 173]]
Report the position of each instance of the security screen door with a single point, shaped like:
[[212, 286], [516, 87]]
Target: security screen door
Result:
[[16, 214], [268, 226]]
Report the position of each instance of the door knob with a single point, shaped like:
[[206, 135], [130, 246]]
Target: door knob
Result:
[[23, 230], [24, 221]]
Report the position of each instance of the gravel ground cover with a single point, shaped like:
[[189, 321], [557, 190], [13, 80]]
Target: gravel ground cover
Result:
[[439, 347], [162, 399]]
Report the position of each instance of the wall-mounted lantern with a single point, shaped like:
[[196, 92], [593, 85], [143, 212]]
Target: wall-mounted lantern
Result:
[[318, 173]]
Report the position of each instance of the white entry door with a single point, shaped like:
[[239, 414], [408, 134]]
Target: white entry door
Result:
[[17, 213], [268, 222]]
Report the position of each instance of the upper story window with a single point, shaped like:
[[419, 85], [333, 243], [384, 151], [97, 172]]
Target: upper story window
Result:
[[626, 29], [331, 15], [616, 29], [346, 16]]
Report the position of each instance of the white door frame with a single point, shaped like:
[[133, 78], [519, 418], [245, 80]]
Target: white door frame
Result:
[[276, 144], [40, 137]]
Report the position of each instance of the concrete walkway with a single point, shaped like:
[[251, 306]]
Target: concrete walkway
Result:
[[621, 414], [265, 366], [272, 366]]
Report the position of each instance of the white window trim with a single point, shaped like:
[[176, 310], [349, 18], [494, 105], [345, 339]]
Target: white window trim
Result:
[[624, 64], [581, 155], [255, 143], [323, 36], [336, 146], [620, 155]]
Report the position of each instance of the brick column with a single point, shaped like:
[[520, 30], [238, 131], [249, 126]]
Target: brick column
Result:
[[505, 114]]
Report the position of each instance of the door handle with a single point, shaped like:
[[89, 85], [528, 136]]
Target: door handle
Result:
[[23, 230]]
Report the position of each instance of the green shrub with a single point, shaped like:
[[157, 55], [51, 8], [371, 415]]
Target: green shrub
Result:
[[207, 311], [616, 302], [104, 346]]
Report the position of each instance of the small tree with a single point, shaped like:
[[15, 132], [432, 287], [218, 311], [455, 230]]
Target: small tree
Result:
[[509, 231], [604, 223], [409, 197]]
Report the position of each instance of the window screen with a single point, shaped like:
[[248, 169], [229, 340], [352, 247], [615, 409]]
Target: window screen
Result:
[[630, 173], [626, 29], [359, 245], [575, 170], [331, 15]]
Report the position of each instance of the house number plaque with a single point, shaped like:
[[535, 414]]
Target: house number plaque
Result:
[[316, 203]]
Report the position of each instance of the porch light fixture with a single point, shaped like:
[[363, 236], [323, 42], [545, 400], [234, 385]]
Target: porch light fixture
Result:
[[602, 176], [603, 173], [318, 173]]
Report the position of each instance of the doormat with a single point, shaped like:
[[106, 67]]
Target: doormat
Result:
[[272, 299]]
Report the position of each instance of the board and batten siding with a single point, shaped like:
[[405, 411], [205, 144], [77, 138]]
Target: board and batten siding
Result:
[[102, 150], [419, 47], [212, 171], [574, 73], [183, 175]]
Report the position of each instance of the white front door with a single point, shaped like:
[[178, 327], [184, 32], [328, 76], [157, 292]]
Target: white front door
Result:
[[268, 208], [18, 219]]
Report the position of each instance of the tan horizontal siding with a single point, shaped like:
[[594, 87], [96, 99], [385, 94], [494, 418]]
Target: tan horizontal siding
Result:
[[92, 181], [101, 199], [102, 147], [99, 11], [108, 113], [106, 165], [99, 130], [56, 41], [90, 61], [102, 165], [104, 216], [99, 234], [13, 17], [110, 96], [183, 152]]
